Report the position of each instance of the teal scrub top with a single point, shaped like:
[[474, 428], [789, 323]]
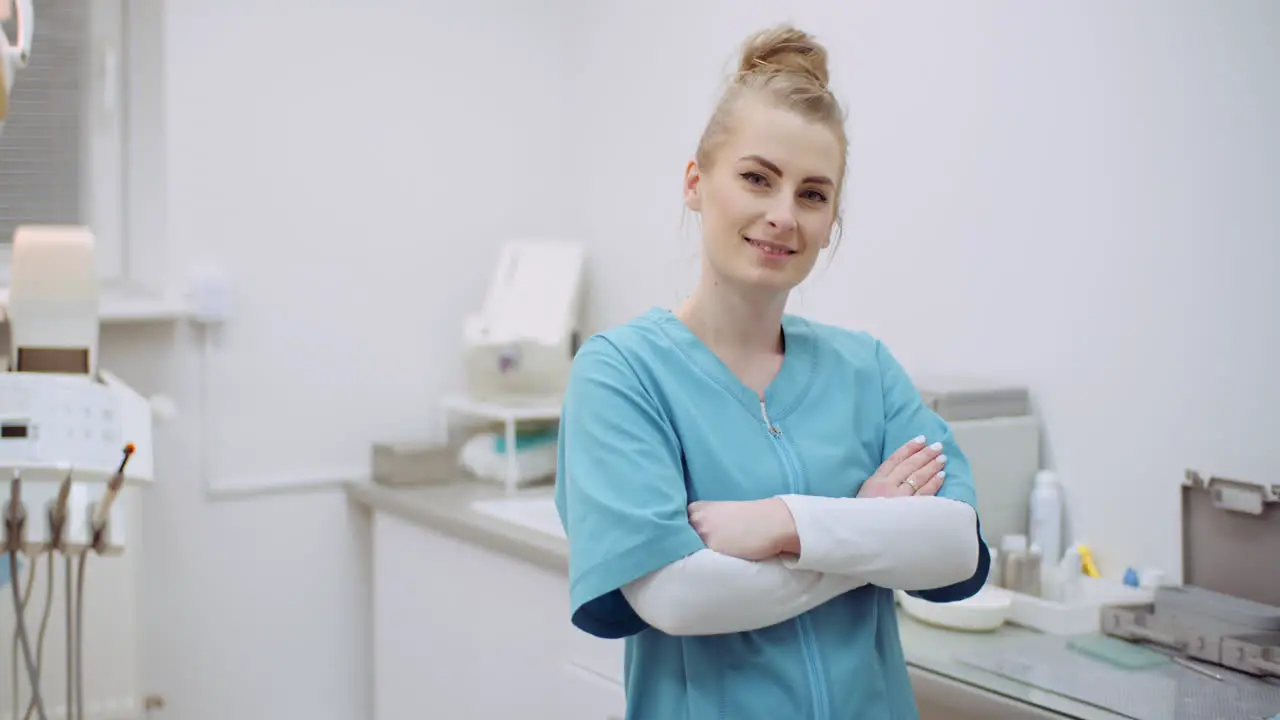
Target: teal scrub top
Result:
[[652, 421]]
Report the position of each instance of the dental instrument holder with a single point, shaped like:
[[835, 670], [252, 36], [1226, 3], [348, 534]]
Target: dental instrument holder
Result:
[[1227, 611], [63, 420], [520, 346]]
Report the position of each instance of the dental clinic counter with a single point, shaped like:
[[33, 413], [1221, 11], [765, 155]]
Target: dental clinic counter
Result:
[[945, 687]]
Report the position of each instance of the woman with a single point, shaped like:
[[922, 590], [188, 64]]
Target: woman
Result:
[[743, 489]]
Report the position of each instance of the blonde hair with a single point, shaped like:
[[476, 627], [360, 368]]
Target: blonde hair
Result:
[[788, 68]]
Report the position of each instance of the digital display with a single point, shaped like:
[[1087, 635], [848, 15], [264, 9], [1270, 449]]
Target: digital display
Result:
[[13, 430]]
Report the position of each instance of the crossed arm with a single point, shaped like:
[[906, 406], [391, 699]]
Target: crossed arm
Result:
[[639, 555], [909, 543], [709, 593]]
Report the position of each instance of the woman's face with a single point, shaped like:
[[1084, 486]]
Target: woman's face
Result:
[[768, 201]]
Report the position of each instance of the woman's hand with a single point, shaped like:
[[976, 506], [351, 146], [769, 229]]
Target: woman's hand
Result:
[[751, 529], [913, 470]]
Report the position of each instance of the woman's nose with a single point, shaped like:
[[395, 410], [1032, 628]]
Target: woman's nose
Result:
[[782, 217]]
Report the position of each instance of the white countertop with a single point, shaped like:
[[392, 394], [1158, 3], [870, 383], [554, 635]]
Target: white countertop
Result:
[[933, 650]]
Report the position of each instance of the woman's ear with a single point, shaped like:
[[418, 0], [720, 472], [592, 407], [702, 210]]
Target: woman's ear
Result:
[[833, 236], [692, 195]]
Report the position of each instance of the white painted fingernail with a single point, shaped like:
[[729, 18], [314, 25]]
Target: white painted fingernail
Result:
[[941, 474], [919, 440], [942, 458], [936, 446]]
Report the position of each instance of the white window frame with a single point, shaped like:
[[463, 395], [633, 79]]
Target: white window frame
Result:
[[105, 171]]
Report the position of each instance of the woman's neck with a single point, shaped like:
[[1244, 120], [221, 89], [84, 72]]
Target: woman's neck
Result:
[[734, 323]]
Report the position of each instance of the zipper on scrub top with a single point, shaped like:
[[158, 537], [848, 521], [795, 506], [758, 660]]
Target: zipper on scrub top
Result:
[[805, 630], [767, 422]]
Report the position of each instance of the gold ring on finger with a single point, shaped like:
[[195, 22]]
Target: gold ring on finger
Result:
[[914, 488]]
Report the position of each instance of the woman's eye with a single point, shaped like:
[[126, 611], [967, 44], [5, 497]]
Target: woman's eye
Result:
[[815, 196], [754, 178]]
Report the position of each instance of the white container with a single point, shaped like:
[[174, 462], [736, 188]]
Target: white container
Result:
[[1045, 516], [983, 612], [1054, 618], [1078, 615]]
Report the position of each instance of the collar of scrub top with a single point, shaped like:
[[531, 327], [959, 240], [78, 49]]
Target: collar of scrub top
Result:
[[789, 387]]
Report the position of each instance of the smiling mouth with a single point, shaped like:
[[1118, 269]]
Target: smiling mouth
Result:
[[769, 248]]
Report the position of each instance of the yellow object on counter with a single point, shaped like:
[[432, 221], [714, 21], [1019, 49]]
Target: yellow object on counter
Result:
[[1086, 562]]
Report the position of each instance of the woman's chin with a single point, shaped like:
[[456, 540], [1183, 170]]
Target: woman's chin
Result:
[[769, 280]]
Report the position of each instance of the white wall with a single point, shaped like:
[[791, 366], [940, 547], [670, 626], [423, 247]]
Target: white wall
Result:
[[1053, 196], [353, 167], [1075, 196]]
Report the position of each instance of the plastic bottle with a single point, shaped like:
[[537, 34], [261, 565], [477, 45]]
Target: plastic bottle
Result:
[[1070, 577], [1032, 567], [1013, 548], [1045, 521], [1051, 582]]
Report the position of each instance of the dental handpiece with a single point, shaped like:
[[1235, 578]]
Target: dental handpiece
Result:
[[16, 516], [58, 513], [114, 483]]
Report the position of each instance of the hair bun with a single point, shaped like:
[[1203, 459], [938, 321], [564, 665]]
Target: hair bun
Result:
[[784, 49]]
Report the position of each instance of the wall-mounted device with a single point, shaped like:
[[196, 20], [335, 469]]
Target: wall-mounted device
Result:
[[520, 346]]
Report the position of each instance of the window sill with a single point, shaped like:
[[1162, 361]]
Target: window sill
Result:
[[126, 305]]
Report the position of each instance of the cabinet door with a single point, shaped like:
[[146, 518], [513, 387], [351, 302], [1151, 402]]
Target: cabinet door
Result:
[[461, 632], [941, 698], [604, 658], [591, 697]]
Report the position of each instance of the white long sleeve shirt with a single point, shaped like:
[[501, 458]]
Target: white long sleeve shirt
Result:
[[910, 543]]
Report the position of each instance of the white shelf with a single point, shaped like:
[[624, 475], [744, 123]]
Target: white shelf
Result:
[[509, 416], [493, 411], [126, 305]]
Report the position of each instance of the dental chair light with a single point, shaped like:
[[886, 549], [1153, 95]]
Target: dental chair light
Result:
[[15, 54]]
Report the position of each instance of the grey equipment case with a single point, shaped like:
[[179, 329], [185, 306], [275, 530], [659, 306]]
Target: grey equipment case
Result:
[[1227, 611]]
